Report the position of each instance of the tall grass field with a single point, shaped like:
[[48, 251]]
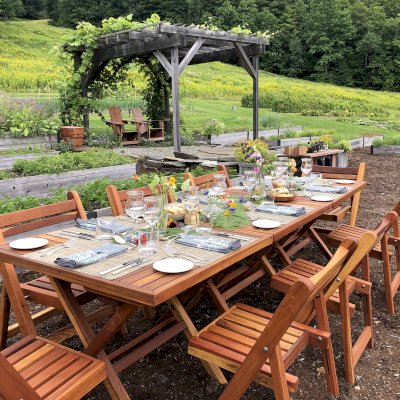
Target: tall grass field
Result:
[[29, 67]]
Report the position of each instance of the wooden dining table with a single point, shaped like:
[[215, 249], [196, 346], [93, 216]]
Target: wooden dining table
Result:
[[146, 287]]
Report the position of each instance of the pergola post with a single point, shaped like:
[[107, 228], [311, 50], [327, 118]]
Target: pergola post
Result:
[[256, 61], [175, 98]]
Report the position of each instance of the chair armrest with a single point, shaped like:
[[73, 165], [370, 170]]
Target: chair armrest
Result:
[[127, 121], [114, 123]]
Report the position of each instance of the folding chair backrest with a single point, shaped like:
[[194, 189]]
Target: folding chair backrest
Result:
[[117, 198], [205, 181], [356, 173], [13, 386], [34, 218], [297, 299], [115, 114]]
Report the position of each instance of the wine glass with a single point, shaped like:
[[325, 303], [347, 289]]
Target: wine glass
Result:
[[191, 202], [249, 182], [152, 212], [134, 206]]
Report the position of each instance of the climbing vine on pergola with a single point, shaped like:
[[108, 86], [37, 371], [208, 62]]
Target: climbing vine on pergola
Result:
[[101, 59]]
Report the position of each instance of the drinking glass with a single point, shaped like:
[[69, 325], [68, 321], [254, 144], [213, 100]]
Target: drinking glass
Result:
[[134, 206], [105, 228], [249, 182], [220, 185], [210, 209], [306, 166], [191, 202], [152, 211], [148, 242]]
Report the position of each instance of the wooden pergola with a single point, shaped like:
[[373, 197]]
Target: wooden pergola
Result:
[[175, 47]]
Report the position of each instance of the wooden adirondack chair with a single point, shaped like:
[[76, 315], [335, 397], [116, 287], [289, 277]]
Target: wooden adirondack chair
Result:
[[35, 369], [118, 125], [260, 346], [339, 301], [339, 213], [385, 251], [205, 181], [39, 290], [154, 134]]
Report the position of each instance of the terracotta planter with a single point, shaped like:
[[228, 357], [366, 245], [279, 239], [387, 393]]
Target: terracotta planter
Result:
[[73, 135]]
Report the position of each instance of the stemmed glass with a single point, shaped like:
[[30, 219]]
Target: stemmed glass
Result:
[[134, 206], [306, 168], [191, 202], [249, 183], [152, 214]]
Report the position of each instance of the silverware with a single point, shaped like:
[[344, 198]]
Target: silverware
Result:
[[232, 236], [124, 264], [68, 244], [78, 233], [118, 271], [172, 252]]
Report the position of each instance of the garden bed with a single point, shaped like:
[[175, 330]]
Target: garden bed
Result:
[[7, 161], [10, 142], [43, 185], [385, 149]]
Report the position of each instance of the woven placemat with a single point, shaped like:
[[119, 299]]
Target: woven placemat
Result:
[[132, 253], [283, 219]]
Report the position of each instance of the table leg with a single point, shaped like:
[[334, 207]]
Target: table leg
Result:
[[181, 315], [87, 336], [17, 299], [4, 317]]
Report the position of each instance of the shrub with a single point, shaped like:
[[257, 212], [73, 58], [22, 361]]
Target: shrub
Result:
[[393, 141], [270, 121], [342, 145], [214, 127], [26, 117], [107, 140]]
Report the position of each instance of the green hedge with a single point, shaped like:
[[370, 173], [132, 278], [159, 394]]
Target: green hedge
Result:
[[66, 162]]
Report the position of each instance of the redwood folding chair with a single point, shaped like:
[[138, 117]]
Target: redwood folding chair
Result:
[[339, 213], [205, 181], [339, 302], [36, 369], [260, 346], [38, 290]]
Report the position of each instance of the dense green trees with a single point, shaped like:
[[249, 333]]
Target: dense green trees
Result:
[[348, 42]]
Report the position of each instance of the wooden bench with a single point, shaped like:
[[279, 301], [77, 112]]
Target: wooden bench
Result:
[[35, 368]]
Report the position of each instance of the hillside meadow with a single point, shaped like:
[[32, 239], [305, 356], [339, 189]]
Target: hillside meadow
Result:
[[29, 67]]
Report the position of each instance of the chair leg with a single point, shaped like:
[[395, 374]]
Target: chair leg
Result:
[[4, 318], [281, 390], [346, 334], [328, 357], [387, 276], [367, 298]]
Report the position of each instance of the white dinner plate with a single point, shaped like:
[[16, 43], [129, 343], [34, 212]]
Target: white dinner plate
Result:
[[28, 243], [173, 265], [322, 198], [266, 223], [344, 181]]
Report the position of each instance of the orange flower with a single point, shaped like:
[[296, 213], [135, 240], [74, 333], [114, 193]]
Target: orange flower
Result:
[[135, 177]]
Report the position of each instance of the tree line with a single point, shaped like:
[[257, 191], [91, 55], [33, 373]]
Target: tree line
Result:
[[346, 42]]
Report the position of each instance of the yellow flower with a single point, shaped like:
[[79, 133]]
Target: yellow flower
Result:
[[227, 213], [172, 180], [232, 205]]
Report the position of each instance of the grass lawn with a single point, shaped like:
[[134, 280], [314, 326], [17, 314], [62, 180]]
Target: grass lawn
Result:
[[196, 112]]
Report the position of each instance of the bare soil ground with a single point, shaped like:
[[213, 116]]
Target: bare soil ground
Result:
[[170, 373]]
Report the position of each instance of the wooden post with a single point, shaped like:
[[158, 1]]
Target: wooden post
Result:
[[167, 113], [175, 98], [256, 61]]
